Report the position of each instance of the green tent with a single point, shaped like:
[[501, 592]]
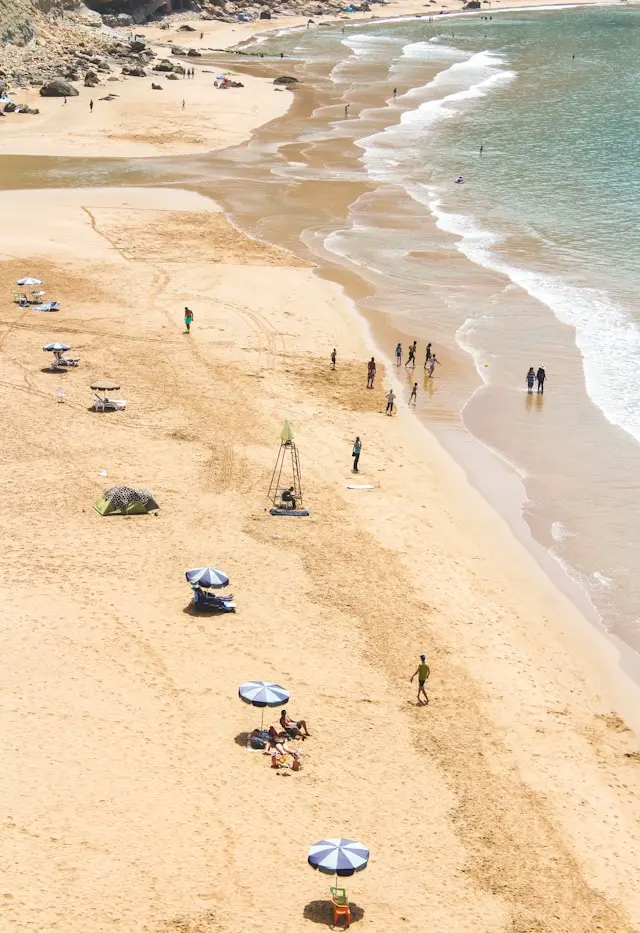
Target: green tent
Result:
[[125, 500]]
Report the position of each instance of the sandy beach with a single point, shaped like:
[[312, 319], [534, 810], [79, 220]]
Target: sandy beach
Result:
[[509, 805]]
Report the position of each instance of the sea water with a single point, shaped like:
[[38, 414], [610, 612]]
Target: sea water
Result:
[[546, 228]]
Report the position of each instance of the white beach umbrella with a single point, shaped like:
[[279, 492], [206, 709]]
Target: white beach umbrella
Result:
[[29, 280]]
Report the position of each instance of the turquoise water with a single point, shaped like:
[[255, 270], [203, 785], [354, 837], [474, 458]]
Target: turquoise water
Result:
[[549, 217]]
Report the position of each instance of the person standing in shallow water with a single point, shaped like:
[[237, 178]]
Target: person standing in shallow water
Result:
[[531, 377], [412, 355], [414, 394], [427, 355], [398, 354], [540, 377], [357, 447]]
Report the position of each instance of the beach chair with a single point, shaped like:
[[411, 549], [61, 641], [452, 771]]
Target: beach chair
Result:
[[62, 395], [47, 306], [341, 908], [67, 361], [109, 404]]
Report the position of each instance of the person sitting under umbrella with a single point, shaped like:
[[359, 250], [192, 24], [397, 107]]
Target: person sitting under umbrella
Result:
[[292, 728]]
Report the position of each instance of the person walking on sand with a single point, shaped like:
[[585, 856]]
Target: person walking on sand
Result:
[[333, 358], [422, 673], [395, 92], [357, 447], [188, 319], [531, 376], [481, 149], [391, 397], [183, 104], [398, 354], [540, 377], [91, 106], [371, 373], [414, 394], [346, 110], [65, 102], [201, 36], [432, 365], [412, 354], [427, 355]]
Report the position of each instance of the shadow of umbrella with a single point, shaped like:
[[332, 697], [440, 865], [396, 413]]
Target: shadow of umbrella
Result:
[[322, 912], [241, 739]]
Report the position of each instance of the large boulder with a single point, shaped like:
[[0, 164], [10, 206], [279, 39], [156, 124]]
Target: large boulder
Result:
[[186, 28], [58, 88], [178, 70], [134, 71], [164, 65], [176, 50], [137, 46], [156, 87], [91, 79], [194, 53], [172, 77], [285, 79]]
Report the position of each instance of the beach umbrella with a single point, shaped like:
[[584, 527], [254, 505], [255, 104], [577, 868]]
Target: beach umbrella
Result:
[[262, 693], [342, 857], [56, 347], [29, 280], [105, 385], [208, 577]]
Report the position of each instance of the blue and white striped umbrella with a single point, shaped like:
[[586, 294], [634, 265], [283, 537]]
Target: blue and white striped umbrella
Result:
[[208, 577], [342, 857], [263, 693]]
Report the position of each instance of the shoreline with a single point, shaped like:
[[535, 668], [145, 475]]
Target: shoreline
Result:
[[562, 573], [132, 796]]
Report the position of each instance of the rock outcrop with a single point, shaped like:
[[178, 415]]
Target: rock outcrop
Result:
[[58, 88]]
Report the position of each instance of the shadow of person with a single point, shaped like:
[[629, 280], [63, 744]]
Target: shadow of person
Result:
[[241, 739], [322, 911]]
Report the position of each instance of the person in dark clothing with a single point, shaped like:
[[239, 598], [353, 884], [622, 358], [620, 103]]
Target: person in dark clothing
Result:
[[540, 377], [412, 355], [427, 355], [288, 499], [371, 373], [531, 377]]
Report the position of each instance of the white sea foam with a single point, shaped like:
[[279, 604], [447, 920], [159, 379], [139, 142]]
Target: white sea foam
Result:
[[607, 339], [560, 532], [464, 81]]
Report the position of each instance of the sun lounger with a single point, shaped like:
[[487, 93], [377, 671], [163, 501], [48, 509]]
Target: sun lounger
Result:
[[108, 404], [47, 306], [67, 361]]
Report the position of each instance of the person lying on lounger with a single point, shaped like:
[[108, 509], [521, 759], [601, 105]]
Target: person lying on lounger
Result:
[[293, 728]]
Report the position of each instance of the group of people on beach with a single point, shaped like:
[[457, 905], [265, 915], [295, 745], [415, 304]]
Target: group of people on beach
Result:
[[274, 741], [539, 377], [430, 358]]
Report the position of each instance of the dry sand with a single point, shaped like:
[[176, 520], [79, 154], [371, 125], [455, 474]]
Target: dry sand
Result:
[[142, 122], [129, 800]]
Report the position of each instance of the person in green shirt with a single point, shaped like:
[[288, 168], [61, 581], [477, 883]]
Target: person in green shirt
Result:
[[422, 674]]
